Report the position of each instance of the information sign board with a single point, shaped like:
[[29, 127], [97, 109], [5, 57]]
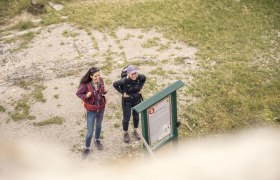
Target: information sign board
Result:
[[160, 121], [159, 116]]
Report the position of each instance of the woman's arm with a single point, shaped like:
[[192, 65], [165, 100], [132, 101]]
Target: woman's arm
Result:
[[143, 80], [119, 86], [82, 92], [103, 88]]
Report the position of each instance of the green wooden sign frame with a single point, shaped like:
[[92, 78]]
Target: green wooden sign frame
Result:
[[170, 97]]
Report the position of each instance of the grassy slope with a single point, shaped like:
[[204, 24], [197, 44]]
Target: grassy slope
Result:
[[242, 88], [10, 8], [241, 37]]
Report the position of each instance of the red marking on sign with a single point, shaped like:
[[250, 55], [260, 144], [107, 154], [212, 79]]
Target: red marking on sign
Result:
[[151, 111]]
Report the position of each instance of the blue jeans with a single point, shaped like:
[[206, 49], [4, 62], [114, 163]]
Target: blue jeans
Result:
[[91, 118]]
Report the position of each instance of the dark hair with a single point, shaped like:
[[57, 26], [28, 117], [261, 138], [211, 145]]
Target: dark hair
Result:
[[86, 78]]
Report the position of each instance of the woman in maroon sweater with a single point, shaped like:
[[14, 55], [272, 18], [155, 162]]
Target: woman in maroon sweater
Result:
[[92, 91]]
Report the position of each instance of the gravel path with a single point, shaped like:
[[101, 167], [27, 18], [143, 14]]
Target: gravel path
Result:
[[57, 57]]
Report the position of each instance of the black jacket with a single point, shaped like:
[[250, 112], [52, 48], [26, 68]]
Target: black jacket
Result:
[[130, 87]]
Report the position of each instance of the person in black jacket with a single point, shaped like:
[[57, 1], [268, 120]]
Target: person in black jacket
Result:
[[130, 87]]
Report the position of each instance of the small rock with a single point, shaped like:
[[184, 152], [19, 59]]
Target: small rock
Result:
[[36, 21], [57, 7]]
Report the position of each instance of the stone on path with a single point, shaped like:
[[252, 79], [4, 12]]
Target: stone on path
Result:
[[57, 7]]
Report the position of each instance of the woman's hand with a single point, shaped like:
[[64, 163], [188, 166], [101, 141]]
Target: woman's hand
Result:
[[105, 90], [125, 95], [89, 94]]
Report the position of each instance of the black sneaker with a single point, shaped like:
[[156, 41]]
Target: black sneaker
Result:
[[126, 138], [98, 144], [85, 153], [136, 135]]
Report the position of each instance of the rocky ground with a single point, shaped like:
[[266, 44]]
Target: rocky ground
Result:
[[44, 72]]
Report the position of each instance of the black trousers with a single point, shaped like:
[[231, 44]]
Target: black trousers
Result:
[[126, 107]]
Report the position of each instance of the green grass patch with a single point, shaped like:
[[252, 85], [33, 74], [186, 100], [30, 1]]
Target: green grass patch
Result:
[[108, 82], [150, 88], [51, 18], [120, 47], [116, 125], [82, 132], [56, 96], [158, 72], [67, 33], [2, 108], [179, 61], [114, 35], [21, 111], [54, 120], [64, 2], [95, 43], [25, 40], [38, 93], [101, 135], [165, 61], [122, 54], [9, 40], [178, 48], [172, 72], [112, 106], [128, 36], [24, 84], [230, 32], [151, 43], [118, 41], [163, 47], [10, 8], [138, 63], [118, 114], [63, 74], [24, 25], [108, 65], [38, 96], [22, 106]]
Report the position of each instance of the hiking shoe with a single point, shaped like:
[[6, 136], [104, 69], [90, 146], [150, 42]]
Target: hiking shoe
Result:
[[126, 138], [136, 135], [98, 144], [85, 153]]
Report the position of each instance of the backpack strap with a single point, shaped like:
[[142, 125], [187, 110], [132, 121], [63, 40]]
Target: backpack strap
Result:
[[90, 87], [123, 80], [90, 107], [101, 85]]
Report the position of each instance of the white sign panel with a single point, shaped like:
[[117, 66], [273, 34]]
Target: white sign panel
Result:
[[160, 120]]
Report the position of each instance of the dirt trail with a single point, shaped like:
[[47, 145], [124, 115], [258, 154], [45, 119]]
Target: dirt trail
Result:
[[58, 56]]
